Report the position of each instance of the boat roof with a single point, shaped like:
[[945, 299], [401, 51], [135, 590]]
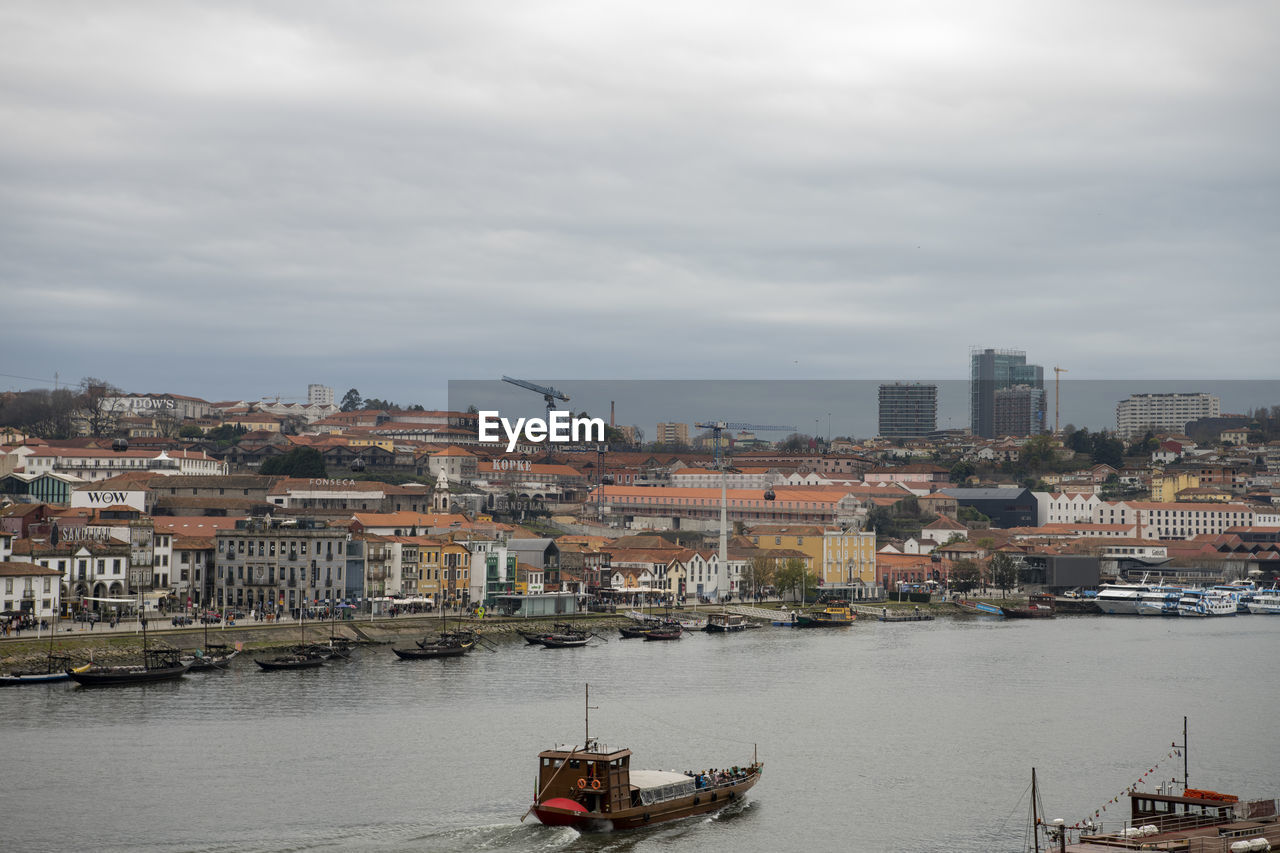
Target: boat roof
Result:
[[645, 779], [598, 753]]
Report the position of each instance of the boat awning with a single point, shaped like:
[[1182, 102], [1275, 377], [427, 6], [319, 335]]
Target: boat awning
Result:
[[645, 779]]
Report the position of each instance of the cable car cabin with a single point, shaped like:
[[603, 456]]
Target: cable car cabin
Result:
[[601, 781], [357, 464], [1172, 813], [769, 495], [120, 445]]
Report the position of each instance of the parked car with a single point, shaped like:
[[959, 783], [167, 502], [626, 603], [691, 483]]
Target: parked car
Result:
[[88, 616]]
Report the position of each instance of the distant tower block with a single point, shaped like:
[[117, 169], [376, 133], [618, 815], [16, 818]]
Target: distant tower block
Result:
[[319, 395]]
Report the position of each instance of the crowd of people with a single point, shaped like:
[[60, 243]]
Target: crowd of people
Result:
[[713, 778]]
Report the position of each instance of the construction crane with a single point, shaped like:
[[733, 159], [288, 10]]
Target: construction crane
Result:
[[1057, 382], [549, 394], [717, 427]]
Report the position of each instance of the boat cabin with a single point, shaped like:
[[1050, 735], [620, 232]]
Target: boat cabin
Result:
[[1170, 813], [600, 780]]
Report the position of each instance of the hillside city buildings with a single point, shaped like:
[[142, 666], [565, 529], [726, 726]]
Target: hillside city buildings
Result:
[[412, 508]]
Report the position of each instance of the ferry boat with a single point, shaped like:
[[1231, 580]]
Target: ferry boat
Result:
[[1120, 599], [1207, 602], [1266, 603], [593, 788], [835, 616], [1160, 601], [725, 623]]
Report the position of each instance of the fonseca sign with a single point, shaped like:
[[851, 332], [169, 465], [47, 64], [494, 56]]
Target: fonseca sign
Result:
[[559, 427]]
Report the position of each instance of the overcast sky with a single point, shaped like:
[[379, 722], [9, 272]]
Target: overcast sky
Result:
[[232, 200]]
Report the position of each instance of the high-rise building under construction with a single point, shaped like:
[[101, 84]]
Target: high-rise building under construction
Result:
[[1021, 407]]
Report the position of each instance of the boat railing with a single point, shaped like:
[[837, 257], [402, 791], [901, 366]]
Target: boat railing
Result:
[[1139, 831]]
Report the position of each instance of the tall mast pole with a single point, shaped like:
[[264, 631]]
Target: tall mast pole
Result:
[[1035, 818]]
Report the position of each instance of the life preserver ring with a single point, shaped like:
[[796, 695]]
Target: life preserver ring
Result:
[[595, 784], [582, 783]]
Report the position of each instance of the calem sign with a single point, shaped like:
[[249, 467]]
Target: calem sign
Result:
[[558, 427]]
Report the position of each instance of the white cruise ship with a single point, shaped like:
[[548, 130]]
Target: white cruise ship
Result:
[[1115, 599], [1266, 602], [1207, 602], [1160, 601]]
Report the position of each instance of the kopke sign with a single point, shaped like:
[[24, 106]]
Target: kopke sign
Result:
[[559, 427]]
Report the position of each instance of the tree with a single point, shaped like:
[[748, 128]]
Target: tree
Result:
[[350, 401], [795, 443], [226, 433], [191, 431], [43, 413], [100, 411], [795, 577], [167, 422], [961, 471], [756, 575], [1036, 452], [1003, 570], [299, 462], [965, 576], [1108, 450]]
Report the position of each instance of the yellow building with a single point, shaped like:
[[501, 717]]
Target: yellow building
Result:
[[1165, 485], [386, 444], [445, 568], [839, 556]]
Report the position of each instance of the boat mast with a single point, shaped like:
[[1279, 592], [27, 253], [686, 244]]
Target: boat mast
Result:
[[1035, 818], [586, 734], [1183, 747]]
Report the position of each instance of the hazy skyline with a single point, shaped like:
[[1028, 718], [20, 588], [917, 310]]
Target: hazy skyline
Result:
[[234, 200]]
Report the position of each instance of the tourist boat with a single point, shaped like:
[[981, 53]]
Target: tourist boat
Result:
[[302, 656], [431, 652], [305, 660], [1160, 601], [212, 656], [724, 623], [628, 632], [1207, 602], [835, 616], [592, 788], [665, 632], [446, 644], [157, 665], [1176, 817], [564, 641], [1266, 602], [1039, 606], [1120, 599], [57, 668]]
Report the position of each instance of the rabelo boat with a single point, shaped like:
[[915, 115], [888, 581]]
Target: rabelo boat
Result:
[[593, 788]]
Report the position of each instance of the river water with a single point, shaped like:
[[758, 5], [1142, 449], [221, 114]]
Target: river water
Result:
[[879, 737]]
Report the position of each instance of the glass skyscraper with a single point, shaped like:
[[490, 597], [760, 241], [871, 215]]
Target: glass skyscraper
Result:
[[1021, 413]]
